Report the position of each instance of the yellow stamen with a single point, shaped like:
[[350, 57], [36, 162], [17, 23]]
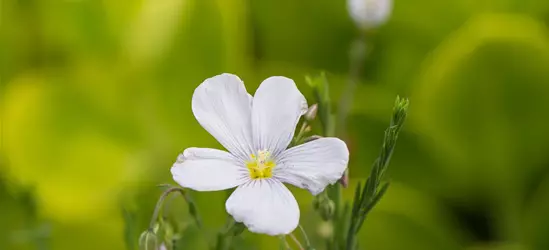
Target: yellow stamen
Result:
[[260, 165]]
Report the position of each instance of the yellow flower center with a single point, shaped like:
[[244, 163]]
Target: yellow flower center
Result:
[[261, 165]]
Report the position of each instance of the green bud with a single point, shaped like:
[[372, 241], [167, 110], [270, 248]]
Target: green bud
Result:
[[311, 112], [327, 209], [148, 240]]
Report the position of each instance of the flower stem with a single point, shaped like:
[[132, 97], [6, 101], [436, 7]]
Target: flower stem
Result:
[[292, 236], [165, 194], [232, 229], [301, 133], [159, 204], [357, 55], [307, 241], [284, 244]]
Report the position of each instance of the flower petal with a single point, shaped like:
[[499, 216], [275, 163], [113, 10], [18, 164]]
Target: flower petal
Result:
[[223, 107], [313, 165], [206, 169], [277, 106], [264, 206]]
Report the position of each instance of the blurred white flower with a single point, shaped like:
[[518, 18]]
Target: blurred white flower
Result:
[[369, 14], [257, 131]]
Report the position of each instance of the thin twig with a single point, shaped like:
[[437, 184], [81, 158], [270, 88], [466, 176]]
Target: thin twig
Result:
[[285, 244], [305, 235], [357, 56], [296, 241], [160, 202]]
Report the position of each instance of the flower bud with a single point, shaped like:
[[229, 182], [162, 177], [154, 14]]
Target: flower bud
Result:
[[311, 112], [369, 14], [327, 209], [148, 240]]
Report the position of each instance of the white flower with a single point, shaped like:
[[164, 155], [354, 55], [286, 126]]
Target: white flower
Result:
[[257, 131], [369, 14]]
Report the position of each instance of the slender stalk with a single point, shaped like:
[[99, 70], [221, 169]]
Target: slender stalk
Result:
[[336, 196], [160, 202], [190, 203], [307, 241], [231, 230], [301, 133], [284, 244], [296, 241], [357, 55], [350, 242], [336, 126], [223, 240]]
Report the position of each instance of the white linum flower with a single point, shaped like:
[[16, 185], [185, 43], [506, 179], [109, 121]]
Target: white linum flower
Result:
[[369, 14], [257, 131]]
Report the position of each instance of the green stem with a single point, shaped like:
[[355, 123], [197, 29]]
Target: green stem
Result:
[[160, 202], [301, 133], [357, 55], [284, 244], [350, 237], [307, 242], [337, 219], [186, 196], [223, 241], [292, 236], [232, 229]]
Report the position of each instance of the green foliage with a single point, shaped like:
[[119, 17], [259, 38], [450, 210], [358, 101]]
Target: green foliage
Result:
[[366, 198], [95, 102]]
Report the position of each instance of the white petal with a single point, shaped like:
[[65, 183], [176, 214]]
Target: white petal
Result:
[[313, 165], [205, 169], [223, 107], [265, 206], [277, 106]]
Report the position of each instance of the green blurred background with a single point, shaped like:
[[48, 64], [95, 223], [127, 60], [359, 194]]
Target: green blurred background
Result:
[[95, 107]]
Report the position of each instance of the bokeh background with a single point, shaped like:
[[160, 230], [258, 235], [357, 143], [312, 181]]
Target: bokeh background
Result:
[[95, 107]]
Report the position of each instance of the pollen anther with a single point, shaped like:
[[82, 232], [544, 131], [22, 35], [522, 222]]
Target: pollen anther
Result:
[[260, 165]]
